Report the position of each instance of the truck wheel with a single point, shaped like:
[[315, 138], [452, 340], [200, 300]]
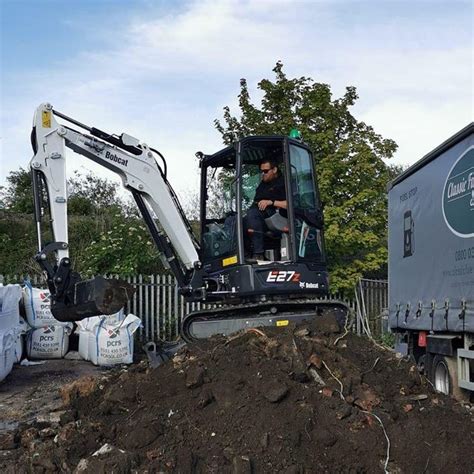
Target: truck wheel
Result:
[[441, 378], [445, 377]]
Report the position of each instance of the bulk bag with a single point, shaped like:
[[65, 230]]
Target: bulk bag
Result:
[[85, 329], [10, 296], [112, 344], [38, 307], [7, 343], [48, 342]]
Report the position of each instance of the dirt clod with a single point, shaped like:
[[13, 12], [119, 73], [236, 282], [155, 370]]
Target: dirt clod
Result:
[[79, 388]]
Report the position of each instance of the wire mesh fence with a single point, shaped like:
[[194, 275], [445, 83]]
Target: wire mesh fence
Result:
[[157, 302]]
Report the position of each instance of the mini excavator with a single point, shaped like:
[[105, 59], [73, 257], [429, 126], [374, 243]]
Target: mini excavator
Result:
[[289, 285]]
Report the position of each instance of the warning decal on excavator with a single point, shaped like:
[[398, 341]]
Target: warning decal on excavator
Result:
[[229, 261], [46, 118], [283, 322]]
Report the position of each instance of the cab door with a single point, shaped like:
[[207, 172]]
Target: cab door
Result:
[[305, 207]]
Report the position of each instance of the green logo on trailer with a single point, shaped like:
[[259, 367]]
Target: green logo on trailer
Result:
[[458, 196]]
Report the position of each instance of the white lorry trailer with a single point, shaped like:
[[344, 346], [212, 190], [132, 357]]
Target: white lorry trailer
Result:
[[431, 263]]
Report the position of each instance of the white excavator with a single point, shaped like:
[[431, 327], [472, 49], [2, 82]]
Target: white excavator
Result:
[[288, 285]]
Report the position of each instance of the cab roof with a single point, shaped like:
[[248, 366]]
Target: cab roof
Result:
[[258, 147]]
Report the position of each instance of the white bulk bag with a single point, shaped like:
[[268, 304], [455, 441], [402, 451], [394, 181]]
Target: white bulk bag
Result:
[[38, 307], [85, 329], [10, 296], [22, 329], [48, 342], [6, 364], [112, 344], [18, 350], [7, 342]]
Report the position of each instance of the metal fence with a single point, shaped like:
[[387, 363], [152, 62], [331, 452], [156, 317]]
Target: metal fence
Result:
[[371, 303], [161, 308]]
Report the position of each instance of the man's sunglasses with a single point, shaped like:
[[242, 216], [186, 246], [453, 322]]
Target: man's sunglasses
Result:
[[265, 171]]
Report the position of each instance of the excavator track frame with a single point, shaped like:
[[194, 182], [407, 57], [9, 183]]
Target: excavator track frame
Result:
[[226, 320]]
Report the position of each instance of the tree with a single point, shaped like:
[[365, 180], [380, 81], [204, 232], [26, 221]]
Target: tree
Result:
[[18, 195], [348, 156]]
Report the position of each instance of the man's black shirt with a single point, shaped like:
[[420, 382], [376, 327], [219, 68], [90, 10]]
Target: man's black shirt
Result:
[[273, 190]]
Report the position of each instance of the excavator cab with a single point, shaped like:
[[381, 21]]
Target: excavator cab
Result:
[[294, 258], [229, 180]]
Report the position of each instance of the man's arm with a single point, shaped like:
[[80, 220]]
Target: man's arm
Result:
[[264, 203], [280, 204]]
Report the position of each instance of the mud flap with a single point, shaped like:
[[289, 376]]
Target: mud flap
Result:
[[94, 297]]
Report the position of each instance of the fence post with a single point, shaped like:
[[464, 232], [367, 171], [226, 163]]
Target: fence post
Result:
[[152, 306], [169, 327]]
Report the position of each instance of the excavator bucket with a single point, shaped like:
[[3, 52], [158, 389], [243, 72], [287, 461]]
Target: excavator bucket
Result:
[[94, 297]]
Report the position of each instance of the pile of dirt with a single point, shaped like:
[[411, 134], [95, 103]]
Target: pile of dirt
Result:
[[305, 400]]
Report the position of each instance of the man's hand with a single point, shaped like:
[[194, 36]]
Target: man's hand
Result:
[[264, 203]]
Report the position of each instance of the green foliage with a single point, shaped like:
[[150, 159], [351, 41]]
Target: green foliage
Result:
[[349, 160], [17, 244], [105, 234], [387, 339], [124, 249], [91, 194], [18, 196]]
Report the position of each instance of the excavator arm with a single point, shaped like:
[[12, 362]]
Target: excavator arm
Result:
[[74, 299]]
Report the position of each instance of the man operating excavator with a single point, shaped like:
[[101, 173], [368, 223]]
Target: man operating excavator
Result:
[[269, 196]]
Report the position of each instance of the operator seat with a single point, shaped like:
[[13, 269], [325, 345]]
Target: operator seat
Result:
[[276, 238]]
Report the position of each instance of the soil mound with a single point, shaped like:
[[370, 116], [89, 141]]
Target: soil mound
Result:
[[301, 401]]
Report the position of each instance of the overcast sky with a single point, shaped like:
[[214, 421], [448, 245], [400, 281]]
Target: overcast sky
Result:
[[162, 71]]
